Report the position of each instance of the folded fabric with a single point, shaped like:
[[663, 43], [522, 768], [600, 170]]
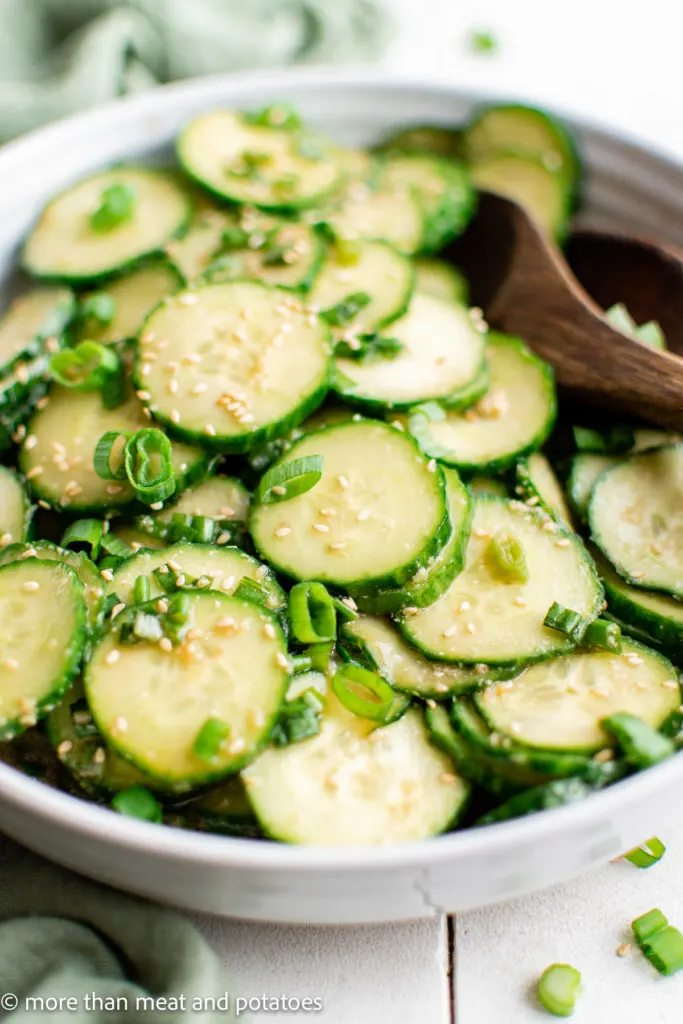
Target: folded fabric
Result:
[[117, 959], [58, 56]]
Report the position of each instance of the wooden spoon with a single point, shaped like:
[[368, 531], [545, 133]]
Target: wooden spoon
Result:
[[526, 287]]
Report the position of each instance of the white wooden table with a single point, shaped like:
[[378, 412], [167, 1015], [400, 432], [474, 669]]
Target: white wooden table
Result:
[[591, 56]]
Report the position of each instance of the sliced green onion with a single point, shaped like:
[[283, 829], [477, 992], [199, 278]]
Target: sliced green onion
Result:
[[565, 621], [210, 739], [672, 726], [98, 306], [641, 744], [507, 556], [235, 238], [197, 529], [116, 206], [320, 655], [345, 611], [301, 663], [142, 590], [648, 854], [148, 464], [104, 449], [618, 439], [647, 924], [346, 310], [558, 988], [278, 115], [603, 634], [84, 531], [299, 719], [346, 252], [112, 562], [250, 590], [138, 802], [90, 367], [363, 692], [289, 479], [366, 348], [179, 608], [117, 547], [312, 613], [483, 42], [109, 602], [660, 942], [147, 626]]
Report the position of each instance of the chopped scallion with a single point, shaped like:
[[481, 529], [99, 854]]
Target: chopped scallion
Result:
[[363, 692], [142, 590], [117, 203], [298, 720], [558, 988], [289, 479], [90, 367], [648, 854], [506, 554], [138, 802], [659, 941], [641, 744], [366, 348], [250, 590], [604, 635], [149, 467], [347, 309], [312, 613], [98, 307], [564, 620], [84, 531], [210, 739]]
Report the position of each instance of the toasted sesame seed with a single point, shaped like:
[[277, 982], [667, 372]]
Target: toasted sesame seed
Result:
[[187, 299], [279, 489], [670, 684], [328, 512], [196, 633], [43, 402], [117, 609], [450, 631], [192, 359], [175, 566], [174, 416], [145, 369], [464, 606], [107, 574], [162, 606], [363, 515], [449, 778], [200, 388], [283, 531], [36, 471], [144, 396], [431, 465], [563, 542], [624, 949], [321, 527], [520, 601], [172, 367], [147, 337], [515, 727], [281, 660], [180, 581], [269, 630], [470, 627], [157, 506], [31, 585], [64, 748], [431, 703], [112, 657], [479, 532], [227, 624], [209, 430], [100, 756], [19, 434], [343, 482], [533, 500], [165, 644], [5, 539], [337, 545], [603, 756], [223, 538], [637, 574], [11, 664], [172, 386]]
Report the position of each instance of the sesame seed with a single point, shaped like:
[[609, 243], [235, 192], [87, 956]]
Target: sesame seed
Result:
[[363, 515], [144, 396], [174, 565], [192, 359], [147, 337], [479, 532], [99, 756], [145, 369], [11, 664], [196, 633], [226, 625], [172, 385], [121, 724], [223, 538], [228, 583], [19, 434], [441, 688], [337, 545], [114, 489], [187, 299], [279, 489], [117, 609], [165, 644], [603, 756], [431, 703], [637, 574], [174, 416], [200, 388], [42, 402], [5, 539], [464, 606], [64, 747], [350, 603], [624, 949], [450, 631], [431, 466], [269, 630], [157, 506], [107, 574], [520, 601], [281, 660], [237, 746], [172, 367], [532, 501], [449, 778], [31, 585], [670, 684], [564, 542], [112, 657], [328, 512], [515, 727], [180, 581], [321, 527], [36, 471], [283, 531], [162, 606], [470, 628], [343, 482]]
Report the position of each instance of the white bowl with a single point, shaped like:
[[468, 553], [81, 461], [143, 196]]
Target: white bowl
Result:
[[625, 186]]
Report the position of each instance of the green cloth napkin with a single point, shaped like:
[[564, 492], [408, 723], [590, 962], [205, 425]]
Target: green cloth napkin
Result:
[[58, 56], [63, 936]]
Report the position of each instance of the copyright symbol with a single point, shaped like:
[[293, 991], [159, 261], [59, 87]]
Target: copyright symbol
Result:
[[9, 1001]]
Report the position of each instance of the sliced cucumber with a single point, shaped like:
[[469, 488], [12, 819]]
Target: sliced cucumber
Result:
[[57, 455], [379, 212], [430, 581], [151, 703], [513, 418], [636, 520], [30, 320], [542, 192], [441, 280], [659, 617], [16, 510], [274, 250], [134, 295], [406, 669], [87, 571], [377, 514], [254, 364], [379, 271], [559, 705], [442, 357], [226, 567], [425, 138], [248, 163], [443, 189], [224, 809], [42, 612], [343, 789], [64, 245], [192, 253], [538, 485], [585, 470], [489, 617], [520, 129], [557, 793]]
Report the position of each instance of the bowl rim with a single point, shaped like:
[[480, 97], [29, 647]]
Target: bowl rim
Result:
[[61, 810]]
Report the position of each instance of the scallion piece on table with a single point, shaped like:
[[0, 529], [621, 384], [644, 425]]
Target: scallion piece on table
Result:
[[289, 479], [347, 309], [641, 744], [648, 854], [363, 692], [210, 738], [148, 465], [506, 554], [565, 620], [312, 613], [138, 802], [659, 941], [84, 531], [90, 367], [142, 590], [558, 988], [604, 635], [117, 203]]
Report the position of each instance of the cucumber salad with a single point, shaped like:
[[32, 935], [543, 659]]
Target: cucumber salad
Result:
[[292, 544]]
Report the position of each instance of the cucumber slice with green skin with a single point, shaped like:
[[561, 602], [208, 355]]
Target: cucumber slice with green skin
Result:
[[63, 245], [537, 484], [521, 129], [134, 294], [42, 611], [585, 470], [635, 519], [192, 253], [224, 809], [23, 387], [518, 765], [81, 749], [543, 193], [406, 669], [234, 669], [380, 271], [487, 485], [560, 704], [441, 280], [515, 417], [225, 567], [381, 212], [16, 511], [30, 321], [87, 572], [657, 617], [443, 189], [254, 364], [430, 581], [278, 252], [377, 514], [428, 138], [215, 150], [57, 455], [488, 617], [442, 357], [344, 788]]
